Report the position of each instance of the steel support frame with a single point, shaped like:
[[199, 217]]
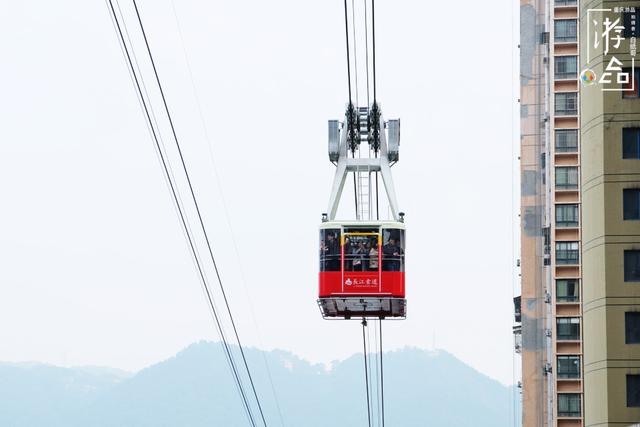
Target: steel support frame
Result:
[[346, 164]]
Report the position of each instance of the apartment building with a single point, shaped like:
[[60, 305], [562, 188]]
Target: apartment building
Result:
[[550, 328]]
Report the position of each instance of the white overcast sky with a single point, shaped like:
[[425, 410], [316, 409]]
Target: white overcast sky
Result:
[[94, 268]]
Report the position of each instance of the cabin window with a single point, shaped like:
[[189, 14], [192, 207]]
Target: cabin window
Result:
[[361, 251], [393, 245], [330, 249]]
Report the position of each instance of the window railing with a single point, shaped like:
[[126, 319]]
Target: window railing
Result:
[[568, 374], [567, 256], [569, 335], [566, 37], [570, 412], [567, 290], [565, 75], [566, 178], [568, 328], [566, 104], [569, 405], [568, 367], [566, 142], [567, 298], [569, 147], [569, 110], [566, 185], [564, 223]]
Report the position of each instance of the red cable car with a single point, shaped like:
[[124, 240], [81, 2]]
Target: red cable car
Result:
[[362, 261], [362, 269]]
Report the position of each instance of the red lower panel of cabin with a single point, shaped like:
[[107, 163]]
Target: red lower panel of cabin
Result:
[[362, 283]]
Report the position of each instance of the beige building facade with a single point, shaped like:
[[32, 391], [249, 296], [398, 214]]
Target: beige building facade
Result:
[[610, 135]]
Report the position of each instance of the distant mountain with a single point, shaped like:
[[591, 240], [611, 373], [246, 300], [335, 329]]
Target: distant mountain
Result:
[[195, 388]]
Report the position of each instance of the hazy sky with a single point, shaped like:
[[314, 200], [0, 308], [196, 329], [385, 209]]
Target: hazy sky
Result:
[[94, 268]]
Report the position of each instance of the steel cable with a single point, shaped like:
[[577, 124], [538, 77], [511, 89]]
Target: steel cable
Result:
[[181, 214], [224, 208], [366, 371], [200, 219]]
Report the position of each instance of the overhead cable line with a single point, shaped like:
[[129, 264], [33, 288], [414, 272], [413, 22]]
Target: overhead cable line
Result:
[[346, 29], [366, 44], [224, 205], [200, 219], [366, 368], [181, 214], [366, 41], [381, 373], [373, 37], [355, 48]]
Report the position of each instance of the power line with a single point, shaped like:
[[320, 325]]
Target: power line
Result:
[[200, 219], [181, 214]]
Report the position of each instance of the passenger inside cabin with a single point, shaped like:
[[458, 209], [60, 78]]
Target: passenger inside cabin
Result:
[[330, 251], [391, 253], [373, 254], [359, 254]]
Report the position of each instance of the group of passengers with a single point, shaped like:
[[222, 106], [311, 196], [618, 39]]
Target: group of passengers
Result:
[[361, 254]]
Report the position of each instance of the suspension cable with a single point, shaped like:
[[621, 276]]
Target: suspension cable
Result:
[[381, 372], [377, 373], [366, 44], [366, 371], [355, 195], [355, 51], [346, 29], [373, 37], [224, 205], [181, 214], [200, 219]]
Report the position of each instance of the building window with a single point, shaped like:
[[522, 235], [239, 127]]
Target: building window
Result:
[[632, 266], [568, 328], [566, 67], [630, 143], [631, 22], [566, 177], [631, 203], [567, 215], [566, 140], [632, 327], [566, 103], [568, 367], [631, 89], [567, 290], [566, 2], [566, 30], [633, 391], [569, 405], [567, 253]]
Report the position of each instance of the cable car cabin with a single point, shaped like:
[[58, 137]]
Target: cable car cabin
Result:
[[362, 269]]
